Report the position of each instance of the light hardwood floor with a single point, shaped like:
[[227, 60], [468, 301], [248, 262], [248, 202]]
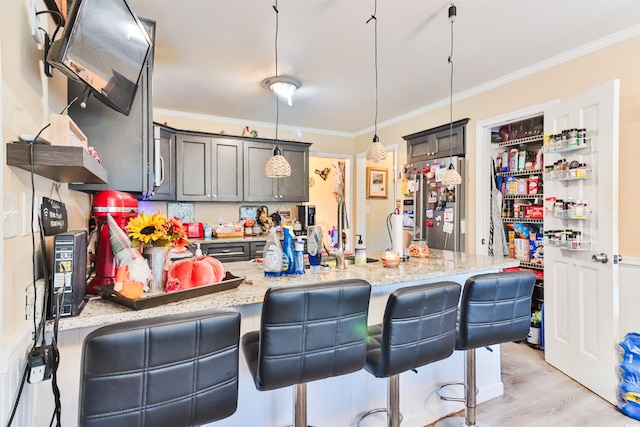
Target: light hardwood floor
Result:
[[536, 394]]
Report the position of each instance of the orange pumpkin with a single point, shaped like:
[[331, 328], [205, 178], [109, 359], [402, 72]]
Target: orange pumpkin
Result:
[[193, 272]]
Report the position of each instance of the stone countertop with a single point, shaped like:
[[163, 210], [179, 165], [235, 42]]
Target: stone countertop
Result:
[[441, 264]]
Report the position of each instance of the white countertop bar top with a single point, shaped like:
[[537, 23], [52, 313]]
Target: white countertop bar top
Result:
[[441, 264]]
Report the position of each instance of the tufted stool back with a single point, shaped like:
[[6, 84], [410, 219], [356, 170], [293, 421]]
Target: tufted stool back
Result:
[[171, 371], [309, 332], [495, 308]]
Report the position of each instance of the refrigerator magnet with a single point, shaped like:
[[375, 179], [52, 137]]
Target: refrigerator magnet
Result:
[[448, 215], [448, 227], [429, 213]]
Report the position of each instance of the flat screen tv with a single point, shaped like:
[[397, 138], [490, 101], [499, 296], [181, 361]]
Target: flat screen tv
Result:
[[104, 46]]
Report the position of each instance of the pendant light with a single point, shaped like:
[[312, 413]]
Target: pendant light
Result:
[[376, 150], [277, 166], [451, 176]]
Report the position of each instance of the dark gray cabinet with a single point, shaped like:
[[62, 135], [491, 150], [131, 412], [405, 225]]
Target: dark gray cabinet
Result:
[[193, 176], [209, 168], [259, 188], [227, 252], [226, 176], [234, 251], [164, 161], [124, 143], [437, 142]]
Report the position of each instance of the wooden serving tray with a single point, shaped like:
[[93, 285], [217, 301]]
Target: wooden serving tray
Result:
[[229, 234], [148, 301]]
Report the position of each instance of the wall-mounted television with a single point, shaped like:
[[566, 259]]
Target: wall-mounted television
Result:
[[104, 46]]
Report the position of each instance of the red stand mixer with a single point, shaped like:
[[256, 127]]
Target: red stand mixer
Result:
[[121, 206]]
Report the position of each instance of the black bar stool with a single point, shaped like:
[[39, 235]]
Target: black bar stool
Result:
[[307, 333], [171, 371], [495, 308], [418, 328]]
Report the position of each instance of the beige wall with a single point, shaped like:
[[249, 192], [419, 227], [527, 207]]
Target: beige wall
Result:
[[620, 61], [27, 100]]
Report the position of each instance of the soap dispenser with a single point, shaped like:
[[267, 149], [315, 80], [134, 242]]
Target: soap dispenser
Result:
[[361, 251]]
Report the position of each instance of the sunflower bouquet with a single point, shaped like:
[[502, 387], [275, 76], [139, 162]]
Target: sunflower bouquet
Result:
[[156, 230]]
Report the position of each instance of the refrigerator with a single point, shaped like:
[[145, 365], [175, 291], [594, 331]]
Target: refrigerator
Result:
[[432, 211]]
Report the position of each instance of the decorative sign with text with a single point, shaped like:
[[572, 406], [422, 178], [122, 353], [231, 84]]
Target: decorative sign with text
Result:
[[54, 216]]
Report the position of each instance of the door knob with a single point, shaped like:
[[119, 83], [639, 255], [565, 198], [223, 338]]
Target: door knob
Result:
[[602, 257]]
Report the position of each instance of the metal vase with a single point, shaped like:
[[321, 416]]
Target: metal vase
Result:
[[156, 257]]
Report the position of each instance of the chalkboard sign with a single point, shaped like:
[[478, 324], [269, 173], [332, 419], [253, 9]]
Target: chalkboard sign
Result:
[[53, 215]]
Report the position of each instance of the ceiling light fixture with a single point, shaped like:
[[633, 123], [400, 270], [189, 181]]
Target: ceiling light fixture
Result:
[[282, 86], [451, 176], [376, 150], [277, 166]]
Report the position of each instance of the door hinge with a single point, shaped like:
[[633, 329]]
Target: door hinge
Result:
[[617, 259]]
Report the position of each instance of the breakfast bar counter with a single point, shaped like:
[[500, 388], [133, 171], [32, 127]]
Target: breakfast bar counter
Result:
[[441, 265], [333, 402]]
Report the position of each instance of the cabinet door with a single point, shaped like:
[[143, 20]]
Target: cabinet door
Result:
[[296, 187], [257, 187], [257, 249], [227, 252], [193, 176], [163, 159], [226, 175], [441, 141], [447, 142]]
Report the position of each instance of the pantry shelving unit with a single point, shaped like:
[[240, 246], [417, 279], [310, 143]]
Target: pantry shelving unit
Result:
[[569, 221]]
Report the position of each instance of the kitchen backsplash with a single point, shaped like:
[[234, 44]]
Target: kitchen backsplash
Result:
[[211, 212]]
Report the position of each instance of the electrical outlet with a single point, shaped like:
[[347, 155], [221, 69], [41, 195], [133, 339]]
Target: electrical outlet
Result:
[[34, 23], [10, 223], [26, 214]]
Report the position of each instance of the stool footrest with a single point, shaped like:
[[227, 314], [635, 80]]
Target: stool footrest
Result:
[[364, 415], [450, 398]]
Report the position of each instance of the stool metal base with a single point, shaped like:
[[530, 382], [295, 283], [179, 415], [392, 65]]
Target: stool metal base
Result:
[[458, 422], [394, 417]]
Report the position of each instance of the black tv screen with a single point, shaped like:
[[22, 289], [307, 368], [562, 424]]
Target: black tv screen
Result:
[[104, 46]]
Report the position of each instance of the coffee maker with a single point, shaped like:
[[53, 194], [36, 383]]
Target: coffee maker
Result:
[[306, 215]]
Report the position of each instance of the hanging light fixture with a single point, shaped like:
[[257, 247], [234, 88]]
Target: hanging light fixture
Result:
[[277, 166], [451, 176], [376, 150]]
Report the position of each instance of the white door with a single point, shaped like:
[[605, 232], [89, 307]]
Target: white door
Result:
[[580, 289]]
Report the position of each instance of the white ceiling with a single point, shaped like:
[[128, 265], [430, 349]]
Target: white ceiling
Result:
[[212, 55]]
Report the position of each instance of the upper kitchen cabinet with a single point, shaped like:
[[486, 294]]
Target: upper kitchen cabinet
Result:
[[164, 161], [209, 168], [259, 188], [437, 142], [125, 144]]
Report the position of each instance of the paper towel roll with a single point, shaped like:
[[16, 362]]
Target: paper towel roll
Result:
[[396, 233]]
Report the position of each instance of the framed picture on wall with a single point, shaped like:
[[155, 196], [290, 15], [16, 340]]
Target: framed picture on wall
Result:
[[377, 183]]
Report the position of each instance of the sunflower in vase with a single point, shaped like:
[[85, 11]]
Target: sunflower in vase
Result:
[[156, 230]]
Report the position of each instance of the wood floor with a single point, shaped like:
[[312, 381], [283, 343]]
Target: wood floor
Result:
[[536, 394]]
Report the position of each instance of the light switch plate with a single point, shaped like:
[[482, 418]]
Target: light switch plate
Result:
[[26, 213], [11, 213]]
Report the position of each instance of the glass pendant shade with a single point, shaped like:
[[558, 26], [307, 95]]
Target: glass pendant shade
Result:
[[376, 150], [277, 166]]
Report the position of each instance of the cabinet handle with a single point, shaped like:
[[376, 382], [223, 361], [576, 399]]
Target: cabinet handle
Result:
[[281, 196], [161, 171], [276, 196], [215, 196]]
